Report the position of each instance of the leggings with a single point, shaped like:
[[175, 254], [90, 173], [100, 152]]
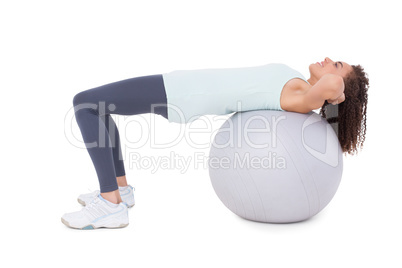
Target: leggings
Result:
[[92, 108]]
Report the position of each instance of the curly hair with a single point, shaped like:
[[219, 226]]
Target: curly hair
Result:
[[350, 115]]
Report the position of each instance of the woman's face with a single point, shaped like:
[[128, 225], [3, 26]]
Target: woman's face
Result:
[[317, 70]]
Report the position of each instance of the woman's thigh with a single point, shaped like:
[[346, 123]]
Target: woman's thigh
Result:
[[143, 94]]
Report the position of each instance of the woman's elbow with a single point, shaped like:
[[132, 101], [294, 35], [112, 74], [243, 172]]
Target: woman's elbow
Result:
[[336, 87]]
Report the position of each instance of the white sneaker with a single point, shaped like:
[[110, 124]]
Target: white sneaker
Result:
[[97, 214], [126, 193]]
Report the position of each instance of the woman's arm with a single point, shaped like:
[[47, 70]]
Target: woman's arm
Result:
[[329, 88]]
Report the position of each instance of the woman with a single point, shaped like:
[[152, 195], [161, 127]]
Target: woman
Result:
[[183, 96]]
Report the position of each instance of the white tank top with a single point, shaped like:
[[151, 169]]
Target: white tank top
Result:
[[193, 93]]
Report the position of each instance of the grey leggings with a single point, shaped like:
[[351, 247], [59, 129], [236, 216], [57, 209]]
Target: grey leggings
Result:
[[92, 109]]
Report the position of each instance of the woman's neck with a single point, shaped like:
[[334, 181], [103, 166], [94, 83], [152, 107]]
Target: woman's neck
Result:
[[312, 80]]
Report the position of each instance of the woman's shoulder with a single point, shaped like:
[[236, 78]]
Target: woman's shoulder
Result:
[[293, 96]]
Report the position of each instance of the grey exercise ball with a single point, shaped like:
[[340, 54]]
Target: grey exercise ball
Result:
[[275, 166]]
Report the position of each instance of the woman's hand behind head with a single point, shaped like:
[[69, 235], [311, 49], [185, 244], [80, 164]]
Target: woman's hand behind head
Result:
[[337, 100]]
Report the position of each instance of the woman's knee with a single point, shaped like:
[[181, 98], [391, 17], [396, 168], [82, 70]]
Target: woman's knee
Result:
[[80, 98], [83, 103]]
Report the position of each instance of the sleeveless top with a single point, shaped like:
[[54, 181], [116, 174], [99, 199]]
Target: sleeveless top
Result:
[[193, 93]]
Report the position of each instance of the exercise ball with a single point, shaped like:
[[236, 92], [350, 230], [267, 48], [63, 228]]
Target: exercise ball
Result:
[[275, 166]]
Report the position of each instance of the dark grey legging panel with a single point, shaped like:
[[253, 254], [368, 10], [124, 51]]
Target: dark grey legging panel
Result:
[[138, 95]]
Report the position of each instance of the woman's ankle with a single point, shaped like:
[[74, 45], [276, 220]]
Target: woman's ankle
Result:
[[122, 181], [113, 197]]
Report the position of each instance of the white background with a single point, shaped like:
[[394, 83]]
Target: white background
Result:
[[51, 50]]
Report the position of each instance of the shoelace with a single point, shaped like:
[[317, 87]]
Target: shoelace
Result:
[[93, 209], [92, 203]]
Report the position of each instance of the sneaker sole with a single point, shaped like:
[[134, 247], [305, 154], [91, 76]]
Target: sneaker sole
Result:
[[91, 227], [130, 206], [83, 203]]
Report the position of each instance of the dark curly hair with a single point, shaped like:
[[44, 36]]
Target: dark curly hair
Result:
[[349, 117]]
